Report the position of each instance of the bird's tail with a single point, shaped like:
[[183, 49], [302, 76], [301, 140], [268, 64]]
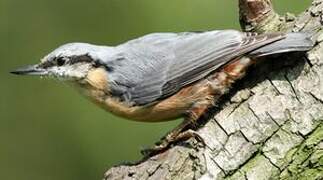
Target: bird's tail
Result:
[[300, 41]]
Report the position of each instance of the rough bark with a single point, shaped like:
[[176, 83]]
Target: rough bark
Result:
[[271, 124]]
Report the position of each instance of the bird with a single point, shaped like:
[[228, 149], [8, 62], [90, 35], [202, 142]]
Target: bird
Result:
[[164, 76]]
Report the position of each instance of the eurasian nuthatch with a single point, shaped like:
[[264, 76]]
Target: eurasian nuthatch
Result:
[[163, 76]]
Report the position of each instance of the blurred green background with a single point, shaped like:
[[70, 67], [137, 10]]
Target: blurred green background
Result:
[[47, 130]]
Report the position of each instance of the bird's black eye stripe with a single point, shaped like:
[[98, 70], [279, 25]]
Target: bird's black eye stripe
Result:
[[79, 59], [60, 61], [100, 64]]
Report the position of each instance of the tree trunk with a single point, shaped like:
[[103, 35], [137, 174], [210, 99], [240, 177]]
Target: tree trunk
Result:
[[268, 127]]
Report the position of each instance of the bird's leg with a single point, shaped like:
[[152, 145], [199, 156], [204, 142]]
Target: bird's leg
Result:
[[182, 132], [210, 90]]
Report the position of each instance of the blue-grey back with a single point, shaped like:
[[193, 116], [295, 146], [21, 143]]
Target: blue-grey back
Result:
[[158, 65]]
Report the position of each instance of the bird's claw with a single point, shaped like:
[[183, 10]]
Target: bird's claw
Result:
[[170, 139]]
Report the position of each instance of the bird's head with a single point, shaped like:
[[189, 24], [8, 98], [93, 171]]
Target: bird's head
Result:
[[70, 62]]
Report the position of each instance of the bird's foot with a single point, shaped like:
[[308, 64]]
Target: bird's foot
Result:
[[170, 139]]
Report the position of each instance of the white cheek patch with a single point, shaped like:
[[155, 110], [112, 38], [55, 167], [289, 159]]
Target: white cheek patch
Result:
[[70, 72]]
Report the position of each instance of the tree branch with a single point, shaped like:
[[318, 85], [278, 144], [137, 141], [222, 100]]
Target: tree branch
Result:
[[269, 126], [256, 14]]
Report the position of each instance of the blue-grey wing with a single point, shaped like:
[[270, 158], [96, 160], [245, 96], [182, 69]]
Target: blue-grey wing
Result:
[[158, 65]]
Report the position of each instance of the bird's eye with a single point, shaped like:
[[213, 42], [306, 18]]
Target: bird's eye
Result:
[[60, 61]]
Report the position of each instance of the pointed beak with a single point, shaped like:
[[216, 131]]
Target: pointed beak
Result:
[[30, 70]]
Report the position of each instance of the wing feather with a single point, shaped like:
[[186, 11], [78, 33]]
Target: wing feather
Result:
[[158, 65]]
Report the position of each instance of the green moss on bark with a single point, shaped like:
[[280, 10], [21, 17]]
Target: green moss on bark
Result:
[[307, 161]]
